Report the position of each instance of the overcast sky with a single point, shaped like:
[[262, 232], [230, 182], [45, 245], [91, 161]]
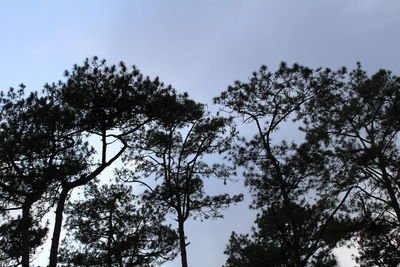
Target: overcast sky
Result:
[[197, 46]]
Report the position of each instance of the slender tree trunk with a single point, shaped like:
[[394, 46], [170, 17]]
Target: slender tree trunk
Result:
[[110, 235], [25, 235], [55, 241], [389, 188], [393, 198], [182, 242], [295, 247]]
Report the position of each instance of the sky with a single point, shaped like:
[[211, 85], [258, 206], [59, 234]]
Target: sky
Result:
[[200, 47]]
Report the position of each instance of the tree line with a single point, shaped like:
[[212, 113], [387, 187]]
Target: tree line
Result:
[[333, 182]]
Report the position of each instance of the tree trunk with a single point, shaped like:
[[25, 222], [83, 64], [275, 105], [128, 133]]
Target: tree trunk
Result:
[[110, 236], [55, 241], [25, 235], [182, 242], [387, 183]]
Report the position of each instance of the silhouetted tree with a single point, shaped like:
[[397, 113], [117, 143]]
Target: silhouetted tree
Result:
[[36, 153], [294, 220], [43, 155], [111, 104], [356, 121], [112, 227], [10, 239], [271, 241], [176, 154]]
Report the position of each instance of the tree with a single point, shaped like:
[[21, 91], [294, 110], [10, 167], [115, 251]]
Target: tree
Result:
[[36, 153], [175, 154], [272, 240], [283, 177], [113, 227], [356, 122], [10, 239], [44, 156], [112, 104]]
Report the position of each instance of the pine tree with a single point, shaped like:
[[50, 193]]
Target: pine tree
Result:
[[176, 155], [113, 227], [294, 222]]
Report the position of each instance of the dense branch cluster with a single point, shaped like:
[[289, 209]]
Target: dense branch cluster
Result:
[[335, 180]]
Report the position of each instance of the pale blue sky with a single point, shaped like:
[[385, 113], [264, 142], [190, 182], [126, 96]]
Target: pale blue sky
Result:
[[197, 46]]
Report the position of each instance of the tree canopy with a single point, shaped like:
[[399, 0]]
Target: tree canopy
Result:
[[341, 176], [113, 227], [175, 154], [334, 180], [359, 129]]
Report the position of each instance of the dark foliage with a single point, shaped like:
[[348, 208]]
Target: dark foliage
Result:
[[176, 154], [356, 122], [337, 181], [294, 219], [112, 227], [10, 239], [112, 104], [39, 149]]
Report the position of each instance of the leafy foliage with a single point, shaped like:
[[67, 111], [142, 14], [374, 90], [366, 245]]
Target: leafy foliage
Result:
[[37, 145], [272, 241], [282, 176], [175, 154], [39, 149], [112, 104], [337, 180], [10, 239], [359, 129], [44, 156], [112, 227]]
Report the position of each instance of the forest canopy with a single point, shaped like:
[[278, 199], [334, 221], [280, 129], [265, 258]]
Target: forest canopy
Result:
[[333, 181]]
